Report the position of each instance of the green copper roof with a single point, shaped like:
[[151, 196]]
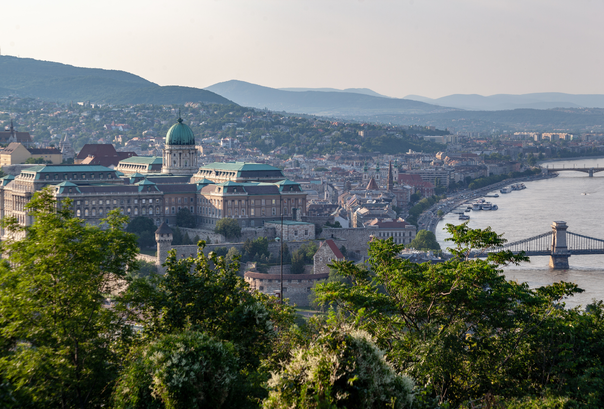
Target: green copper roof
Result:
[[180, 134], [6, 180], [64, 187], [241, 166], [204, 181], [147, 160], [66, 168]]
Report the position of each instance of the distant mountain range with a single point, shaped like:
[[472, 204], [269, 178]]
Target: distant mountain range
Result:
[[543, 100], [324, 102], [365, 91], [53, 81], [540, 111]]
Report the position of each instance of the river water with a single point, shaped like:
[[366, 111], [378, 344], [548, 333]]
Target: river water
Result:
[[572, 197]]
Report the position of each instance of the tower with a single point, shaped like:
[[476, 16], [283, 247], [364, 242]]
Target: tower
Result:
[[390, 182], [180, 154], [163, 237]]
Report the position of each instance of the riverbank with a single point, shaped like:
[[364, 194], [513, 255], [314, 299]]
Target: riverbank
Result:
[[429, 219]]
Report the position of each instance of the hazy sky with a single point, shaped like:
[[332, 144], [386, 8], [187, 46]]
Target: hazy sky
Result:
[[395, 47]]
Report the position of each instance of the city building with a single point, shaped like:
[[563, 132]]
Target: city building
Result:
[[251, 193]]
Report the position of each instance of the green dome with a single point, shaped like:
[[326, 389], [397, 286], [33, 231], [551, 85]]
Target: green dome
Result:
[[180, 134]]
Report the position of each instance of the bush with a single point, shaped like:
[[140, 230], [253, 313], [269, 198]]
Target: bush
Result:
[[144, 228], [184, 218], [229, 228], [341, 368], [186, 370]]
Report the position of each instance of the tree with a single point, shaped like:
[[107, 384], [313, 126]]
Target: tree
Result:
[[425, 240], [184, 218], [340, 368], [297, 263], [144, 228], [228, 227], [35, 161], [183, 370], [232, 255], [60, 345], [344, 251], [459, 328], [205, 294], [258, 246]]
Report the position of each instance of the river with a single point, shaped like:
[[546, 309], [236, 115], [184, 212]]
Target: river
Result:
[[572, 197]]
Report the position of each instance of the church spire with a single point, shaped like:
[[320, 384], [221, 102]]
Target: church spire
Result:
[[390, 182]]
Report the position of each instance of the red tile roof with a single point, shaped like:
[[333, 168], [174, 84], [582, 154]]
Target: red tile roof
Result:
[[334, 248]]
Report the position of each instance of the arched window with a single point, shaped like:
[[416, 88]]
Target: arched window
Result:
[[136, 211], [150, 209], [85, 212], [93, 212], [128, 210], [78, 213]]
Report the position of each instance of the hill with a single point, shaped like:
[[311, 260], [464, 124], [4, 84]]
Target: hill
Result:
[[365, 91], [324, 102], [26, 77], [543, 100]]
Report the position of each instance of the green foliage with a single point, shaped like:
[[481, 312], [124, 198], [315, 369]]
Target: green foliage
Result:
[[233, 255], [254, 250], [184, 218], [60, 345], [144, 228], [304, 255], [336, 224], [183, 370], [35, 161], [344, 251], [421, 206], [297, 263], [340, 368], [459, 328], [221, 251], [425, 240], [205, 294], [145, 270], [228, 227]]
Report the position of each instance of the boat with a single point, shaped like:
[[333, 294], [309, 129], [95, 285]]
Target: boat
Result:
[[464, 217], [476, 206], [468, 209], [506, 189], [494, 195], [495, 207], [487, 206]]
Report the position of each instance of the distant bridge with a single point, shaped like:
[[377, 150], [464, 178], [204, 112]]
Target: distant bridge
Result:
[[559, 244], [589, 170]]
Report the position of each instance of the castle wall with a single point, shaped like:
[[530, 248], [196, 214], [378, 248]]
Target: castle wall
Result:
[[355, 240]]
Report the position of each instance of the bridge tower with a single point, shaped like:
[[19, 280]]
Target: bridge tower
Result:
[[590, 172], [559, 257]]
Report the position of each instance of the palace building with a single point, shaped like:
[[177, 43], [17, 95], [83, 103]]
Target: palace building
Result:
[[159, 187]]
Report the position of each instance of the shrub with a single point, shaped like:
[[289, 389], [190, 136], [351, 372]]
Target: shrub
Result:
[[341, 368]]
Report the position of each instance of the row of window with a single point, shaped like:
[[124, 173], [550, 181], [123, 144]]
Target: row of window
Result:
[[108, 201], [395, 234], [83, 176]]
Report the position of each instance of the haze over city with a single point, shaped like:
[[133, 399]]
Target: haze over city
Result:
[[431, 48]]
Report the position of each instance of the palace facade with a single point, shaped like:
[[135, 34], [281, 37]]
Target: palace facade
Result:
[[251, 193]]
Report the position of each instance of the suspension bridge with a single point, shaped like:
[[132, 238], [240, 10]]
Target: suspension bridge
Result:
[[589, 170], [559, 244]]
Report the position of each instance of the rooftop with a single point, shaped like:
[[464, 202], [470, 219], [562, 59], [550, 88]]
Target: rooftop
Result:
[[239, 166]]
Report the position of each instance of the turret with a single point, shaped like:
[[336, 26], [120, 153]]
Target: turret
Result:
[[163, 237]]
